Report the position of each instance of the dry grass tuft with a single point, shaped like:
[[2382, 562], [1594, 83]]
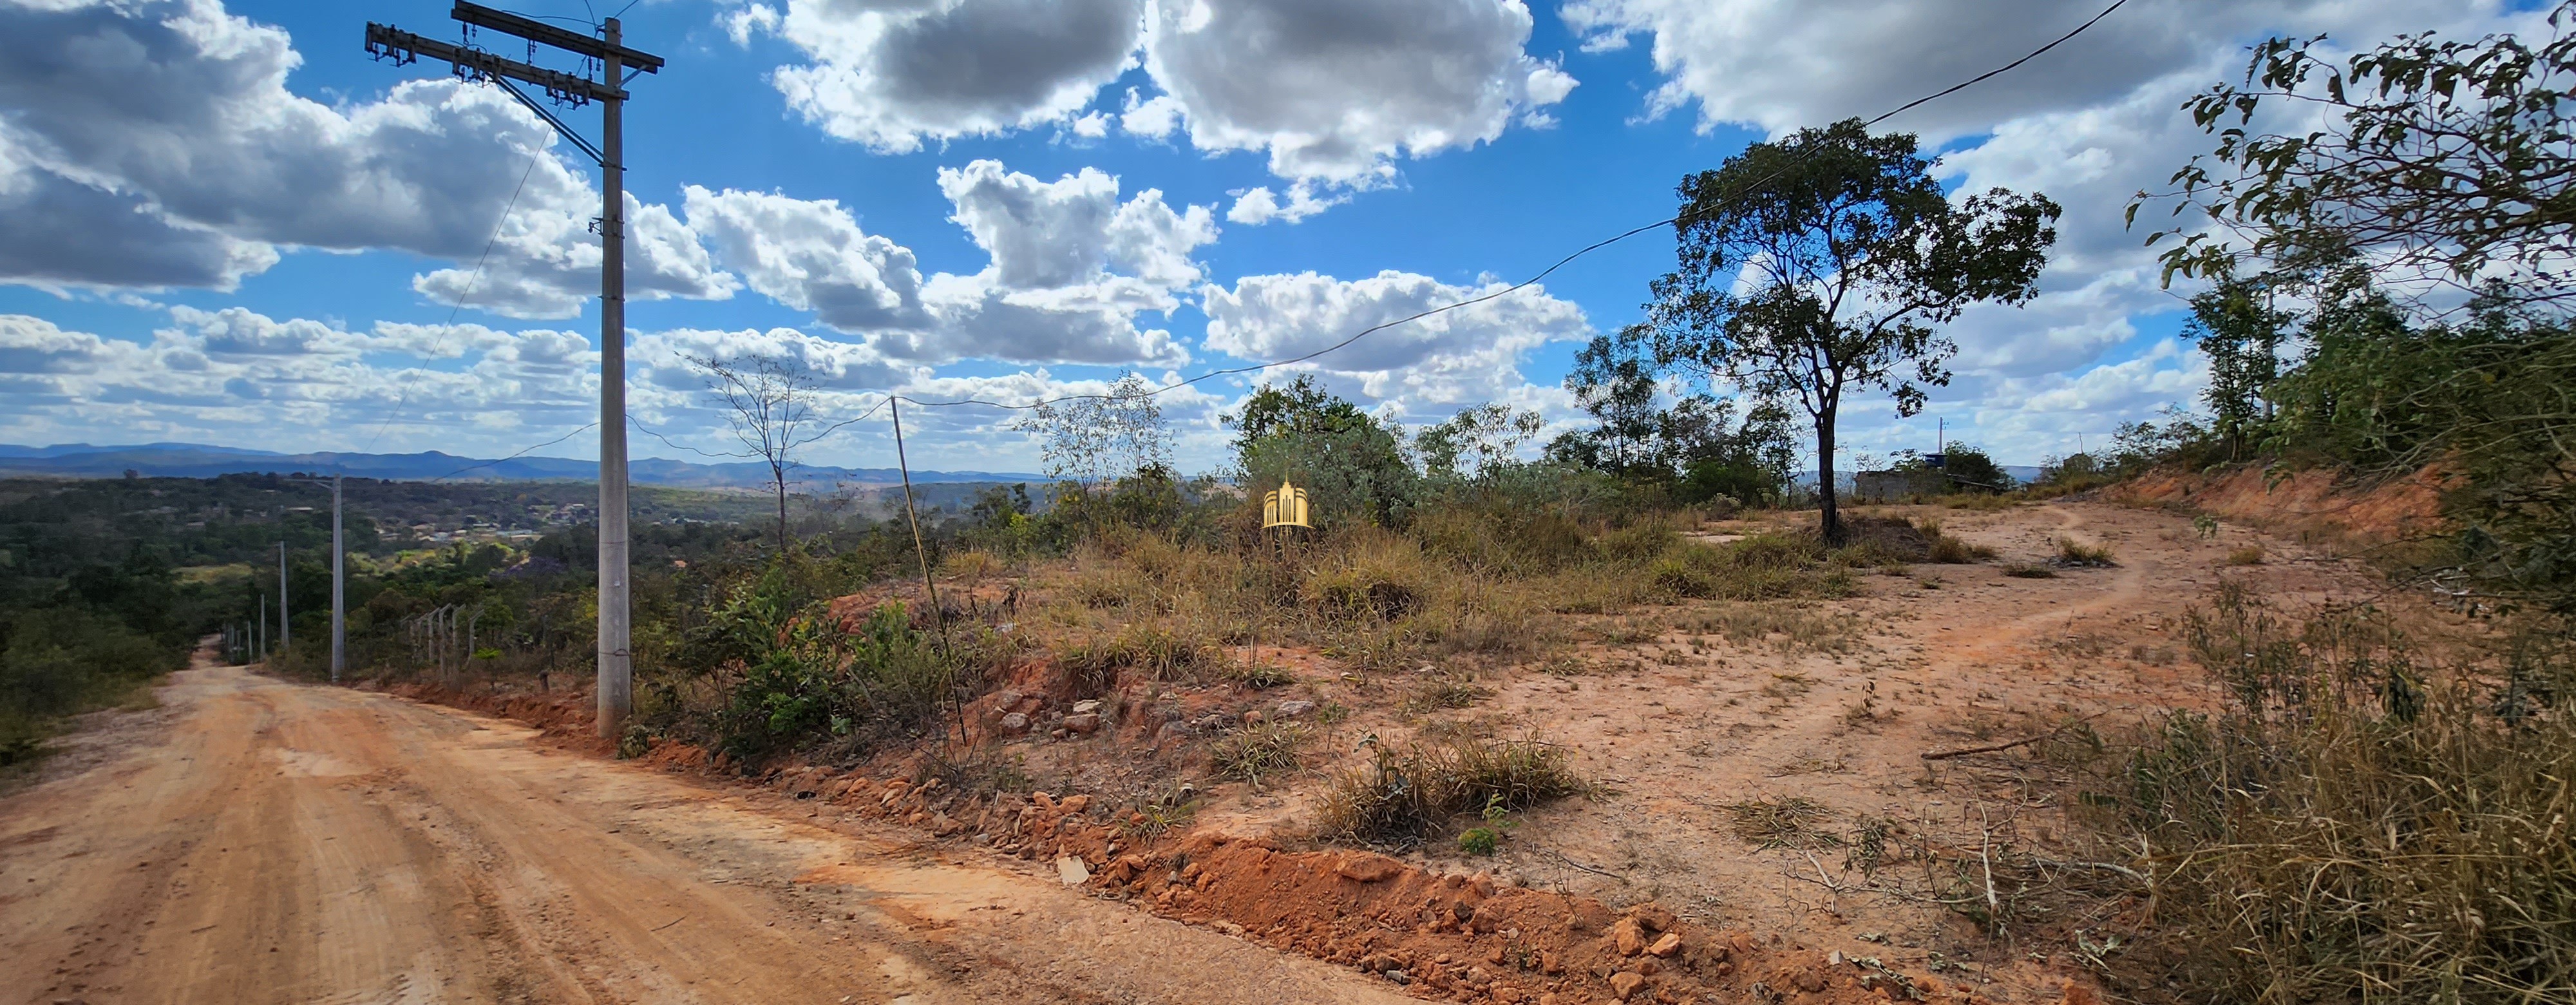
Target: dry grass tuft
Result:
[[1260, 676], [2025, 570], [1152, 650], [1980, 502], [1379, 576], [972, 566], [1946, 550], [1792, 627], [1404, 797], [2074, 554], [1783, 822], [1248, 756], [2251, 554], [2357, 825], [1761, 567], [1444, 692]]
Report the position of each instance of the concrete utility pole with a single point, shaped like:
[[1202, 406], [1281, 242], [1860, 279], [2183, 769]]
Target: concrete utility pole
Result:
[[285, 629], [616, 669], [260, 639], [339, 586], [616, 660], [339, 581]]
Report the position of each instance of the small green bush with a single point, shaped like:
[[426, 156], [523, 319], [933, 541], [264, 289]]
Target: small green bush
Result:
[[886, 680]]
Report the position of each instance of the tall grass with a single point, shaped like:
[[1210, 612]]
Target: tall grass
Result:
[[1405, 796], [2357, 825]]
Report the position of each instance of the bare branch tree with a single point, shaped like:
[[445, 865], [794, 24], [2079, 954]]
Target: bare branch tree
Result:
[[1095, 441], [769, 403]]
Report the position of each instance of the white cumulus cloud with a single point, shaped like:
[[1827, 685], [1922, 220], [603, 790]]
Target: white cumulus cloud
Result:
[[1332, 92], [158, 142], [1422, 368], [1072, 265], [893, 74]]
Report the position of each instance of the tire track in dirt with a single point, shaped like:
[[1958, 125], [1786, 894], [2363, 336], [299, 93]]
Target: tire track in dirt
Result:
[[2128, 580]]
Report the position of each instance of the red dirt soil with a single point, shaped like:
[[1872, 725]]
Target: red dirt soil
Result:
[[2315, 500], [1449, 937]]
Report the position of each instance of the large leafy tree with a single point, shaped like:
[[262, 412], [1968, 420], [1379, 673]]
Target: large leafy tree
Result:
[[2242, 332], [1820, 264], [1477, 442], [1354, 465]]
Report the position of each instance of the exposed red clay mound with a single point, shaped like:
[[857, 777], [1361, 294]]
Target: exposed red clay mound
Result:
[[1464, 939], [2315, 499], [1442, 937]]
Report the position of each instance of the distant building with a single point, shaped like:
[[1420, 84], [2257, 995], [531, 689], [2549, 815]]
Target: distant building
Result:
[[1881, 486]]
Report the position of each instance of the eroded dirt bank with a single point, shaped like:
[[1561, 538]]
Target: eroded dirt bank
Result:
[[285, 843]]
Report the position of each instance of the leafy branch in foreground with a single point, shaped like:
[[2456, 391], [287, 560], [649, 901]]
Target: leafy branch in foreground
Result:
[[2446, 162]]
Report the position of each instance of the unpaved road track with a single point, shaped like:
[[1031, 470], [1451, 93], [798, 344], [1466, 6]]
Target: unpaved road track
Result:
[[286, 843]]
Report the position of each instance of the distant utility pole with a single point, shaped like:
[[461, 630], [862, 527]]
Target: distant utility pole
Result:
[[259, 639], [339, 581], [616, 670], [285, 628]]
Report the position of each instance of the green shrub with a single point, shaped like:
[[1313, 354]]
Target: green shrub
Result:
[[57, 661], [816, 683]]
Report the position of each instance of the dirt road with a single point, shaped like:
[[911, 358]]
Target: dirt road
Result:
[[285, 843]]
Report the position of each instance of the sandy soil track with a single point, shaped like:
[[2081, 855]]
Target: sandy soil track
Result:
[[285, 843]]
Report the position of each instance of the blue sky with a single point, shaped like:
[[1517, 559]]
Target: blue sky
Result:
[[224, 223]]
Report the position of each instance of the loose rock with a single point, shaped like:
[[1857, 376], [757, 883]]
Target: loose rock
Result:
[[1629, 936], [1367, 868]]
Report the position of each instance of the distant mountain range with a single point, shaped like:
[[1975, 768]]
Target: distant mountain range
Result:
[[196, 460], [2024, 473]]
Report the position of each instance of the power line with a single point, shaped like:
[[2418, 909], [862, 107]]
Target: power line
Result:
[[470, 279], [890, 397], [1515, 287], [1997, 71], [522, 453]]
